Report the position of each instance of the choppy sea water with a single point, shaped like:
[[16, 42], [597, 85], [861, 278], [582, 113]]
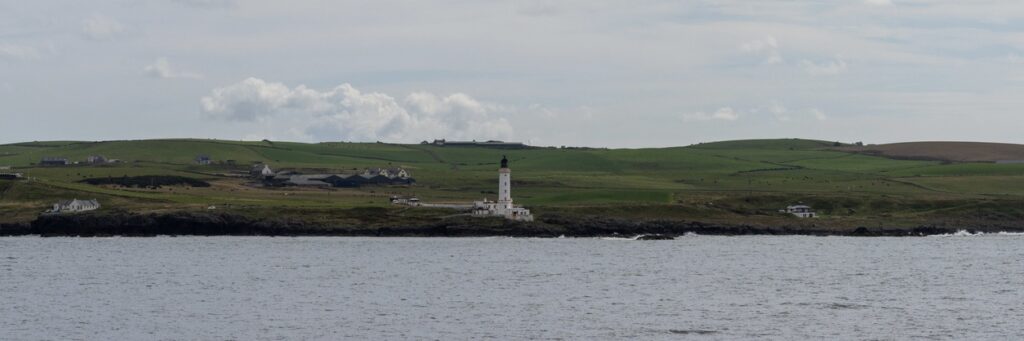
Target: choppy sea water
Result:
[[695, 287]]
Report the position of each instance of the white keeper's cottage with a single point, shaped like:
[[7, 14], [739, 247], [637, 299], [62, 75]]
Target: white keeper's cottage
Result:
[[75, 205], [503, 207]]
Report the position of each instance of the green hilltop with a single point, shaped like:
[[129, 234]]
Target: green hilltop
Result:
[[734, 181]]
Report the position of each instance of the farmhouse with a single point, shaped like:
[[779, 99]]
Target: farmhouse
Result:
[[503, 207], [261, 170], [96, 159], [203, 159], [53, 161], [802, 211], [74, 205]]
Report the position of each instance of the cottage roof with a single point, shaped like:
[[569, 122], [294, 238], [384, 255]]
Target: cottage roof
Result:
[[73, 201]]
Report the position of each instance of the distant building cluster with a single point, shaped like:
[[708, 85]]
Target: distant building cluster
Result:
[[491, 143], [54, 161], [369, 176], [63, 161]]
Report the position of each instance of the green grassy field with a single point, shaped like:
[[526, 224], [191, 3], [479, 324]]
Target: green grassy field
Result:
[[735, 181]]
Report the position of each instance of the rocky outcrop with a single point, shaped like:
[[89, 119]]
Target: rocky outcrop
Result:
[[16, 229], [220, 223]]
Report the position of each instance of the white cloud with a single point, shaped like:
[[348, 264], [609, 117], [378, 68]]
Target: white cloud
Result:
[[209, 4], [162, 69], [724, 114], [878, 2], [18, 52], [99, 27], [818, 114], [768, 47], [346, 113], [538, 8], [779, 111], [827, 68]]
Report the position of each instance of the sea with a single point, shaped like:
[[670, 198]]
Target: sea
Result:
[[960, 286]]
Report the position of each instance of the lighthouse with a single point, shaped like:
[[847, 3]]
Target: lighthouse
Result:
[[505, 184], [503, 207]]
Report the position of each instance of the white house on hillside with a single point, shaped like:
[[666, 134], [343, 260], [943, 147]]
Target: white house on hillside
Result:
[[261, 170], [203, 159], [802, 211], [74, 205]]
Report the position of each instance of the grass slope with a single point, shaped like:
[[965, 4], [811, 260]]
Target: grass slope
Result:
[[735, 181], [945, 151]]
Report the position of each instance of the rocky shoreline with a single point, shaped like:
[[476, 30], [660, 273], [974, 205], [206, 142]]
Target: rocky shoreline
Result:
[[227, 224]]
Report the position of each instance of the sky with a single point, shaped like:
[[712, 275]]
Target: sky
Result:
[[595, 73]]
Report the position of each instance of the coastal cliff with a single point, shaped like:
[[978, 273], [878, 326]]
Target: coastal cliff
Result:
[[216, 224]]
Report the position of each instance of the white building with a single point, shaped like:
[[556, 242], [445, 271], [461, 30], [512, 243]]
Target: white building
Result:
[[203, 159], [802, 211], [96, 159], [75, 205], [261, 170], [503, 207], [391, 173]]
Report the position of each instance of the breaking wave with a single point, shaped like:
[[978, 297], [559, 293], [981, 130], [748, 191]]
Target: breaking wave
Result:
[[966, 233]]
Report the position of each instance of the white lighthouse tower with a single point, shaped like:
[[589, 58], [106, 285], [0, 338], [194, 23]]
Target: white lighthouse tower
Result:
[[503, 207], [504, 184]]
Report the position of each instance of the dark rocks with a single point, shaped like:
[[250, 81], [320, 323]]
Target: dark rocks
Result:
[[16, 229], [379, 222], [176, 223]]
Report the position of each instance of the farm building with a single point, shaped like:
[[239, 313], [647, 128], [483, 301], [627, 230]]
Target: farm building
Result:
[[311, 180], [54, 161], [96, 159], [405, 200], [203, 159], [10, 176]]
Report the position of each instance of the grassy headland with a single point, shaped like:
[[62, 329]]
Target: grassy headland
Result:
[[731, 183]]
